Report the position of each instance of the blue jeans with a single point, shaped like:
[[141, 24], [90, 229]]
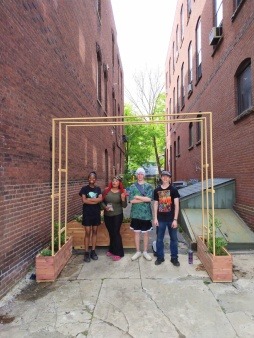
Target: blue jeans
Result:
[[160, 240]]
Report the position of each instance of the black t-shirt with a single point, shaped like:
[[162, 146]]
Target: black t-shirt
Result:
[[166, 206], [89, 192]]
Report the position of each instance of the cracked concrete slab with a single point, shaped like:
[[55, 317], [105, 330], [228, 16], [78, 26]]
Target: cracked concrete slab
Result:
[[130, 308], [133, 299]]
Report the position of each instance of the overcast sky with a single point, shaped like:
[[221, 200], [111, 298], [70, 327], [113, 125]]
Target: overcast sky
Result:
[[143, 33]]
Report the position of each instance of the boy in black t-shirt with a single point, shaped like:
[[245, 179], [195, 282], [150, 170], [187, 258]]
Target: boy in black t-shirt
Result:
[[91, 197], [166, 210]]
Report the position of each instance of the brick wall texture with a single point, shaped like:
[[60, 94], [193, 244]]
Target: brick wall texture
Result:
[[48, 69], [216, 92]]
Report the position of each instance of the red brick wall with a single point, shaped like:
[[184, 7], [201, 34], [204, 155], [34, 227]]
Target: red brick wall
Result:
[[233, 142], [48, 69]]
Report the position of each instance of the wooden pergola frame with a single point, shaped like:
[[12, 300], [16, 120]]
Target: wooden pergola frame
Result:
[[62, 125]]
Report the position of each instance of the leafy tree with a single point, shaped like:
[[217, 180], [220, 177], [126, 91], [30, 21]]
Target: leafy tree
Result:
[[141, 139], [146, 142]]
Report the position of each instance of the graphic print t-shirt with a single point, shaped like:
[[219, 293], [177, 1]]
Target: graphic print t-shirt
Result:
[[166, 206], [89, 192]]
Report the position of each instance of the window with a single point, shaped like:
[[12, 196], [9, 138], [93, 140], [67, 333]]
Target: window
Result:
[[106, 164], [244, 86], [106, 87], [177, 43], [178, 95], [198, 134], [98, 8], [198, 50], [178, 146], [121, 82], [191, 135], [114, 102], [190, 76], [174, 101], [218, 12], [118, 72], [169, 73], [173, 56], [237, 3], [113, 50], [181, 23], [188, 8], [168, 123], [182, 86], [98, 73], [114, 158]]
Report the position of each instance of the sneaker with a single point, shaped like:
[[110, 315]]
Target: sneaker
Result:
[[87, 257], [147, 256], [116, 258], [175, 261], [136, 256], [109, 254], [159, 261], [94, 255]]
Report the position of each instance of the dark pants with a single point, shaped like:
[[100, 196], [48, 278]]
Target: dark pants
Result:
[[113, 225]]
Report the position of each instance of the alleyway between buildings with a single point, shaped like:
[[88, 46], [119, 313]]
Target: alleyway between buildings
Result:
[[133, 299]]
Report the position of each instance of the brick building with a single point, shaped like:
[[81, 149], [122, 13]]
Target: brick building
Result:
[[57, 59], [209, 68]]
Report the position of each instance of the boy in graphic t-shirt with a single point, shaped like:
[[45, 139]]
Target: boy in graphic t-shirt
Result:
[[166, 210]]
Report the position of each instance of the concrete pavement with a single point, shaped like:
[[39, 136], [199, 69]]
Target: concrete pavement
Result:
[[133, 299]]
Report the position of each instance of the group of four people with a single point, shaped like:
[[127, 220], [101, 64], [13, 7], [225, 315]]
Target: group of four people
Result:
[[114, 198]]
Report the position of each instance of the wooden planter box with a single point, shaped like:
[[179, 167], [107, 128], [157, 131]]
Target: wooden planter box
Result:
[[219, 268], [127, 236], [77, 231], [47, 268]]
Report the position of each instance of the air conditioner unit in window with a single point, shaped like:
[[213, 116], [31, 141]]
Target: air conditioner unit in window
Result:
[[189, 88], [215, 35]]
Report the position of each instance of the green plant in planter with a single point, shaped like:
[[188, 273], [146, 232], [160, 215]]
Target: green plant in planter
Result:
[[220, 242], [78, 218], [56, 240], [48, 250]]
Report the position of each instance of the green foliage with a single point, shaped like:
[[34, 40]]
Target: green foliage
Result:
[[144, 140], [180, 229], [56, 240], [78, 218], [220, 242], [207, 282], [48, 250], [127, 179]]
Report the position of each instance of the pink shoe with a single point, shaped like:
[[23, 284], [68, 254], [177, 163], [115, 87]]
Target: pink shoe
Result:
[[116, 258], [109, 254]]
